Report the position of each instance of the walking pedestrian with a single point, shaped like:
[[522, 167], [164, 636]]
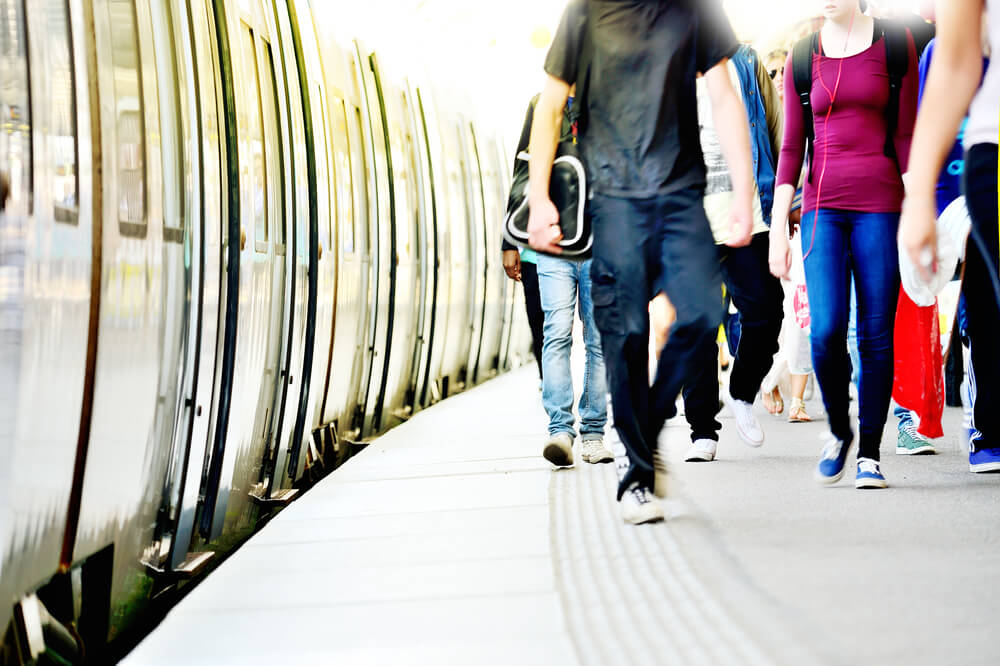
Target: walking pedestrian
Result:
[[634, 65]]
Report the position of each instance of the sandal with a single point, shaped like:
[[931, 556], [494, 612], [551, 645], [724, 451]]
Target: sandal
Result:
[[772, 401], [797, 413]]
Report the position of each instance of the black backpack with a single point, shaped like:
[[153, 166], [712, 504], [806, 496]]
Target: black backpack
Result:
[[897, 56]]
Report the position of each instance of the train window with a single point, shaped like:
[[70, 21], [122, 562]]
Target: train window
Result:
[[15, 105], [342, 168], [59, 121], [252, 145], [175, 159], [331, 194], [276, 182], [130, 126]]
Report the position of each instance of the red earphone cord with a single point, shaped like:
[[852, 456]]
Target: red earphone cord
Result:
[[826, 127]]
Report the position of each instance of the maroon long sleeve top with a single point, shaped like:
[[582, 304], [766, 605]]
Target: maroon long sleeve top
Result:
[[850, 145]]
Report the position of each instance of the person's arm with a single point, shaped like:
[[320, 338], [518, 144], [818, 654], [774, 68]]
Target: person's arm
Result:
[[730, 118], [793, 146], [543, 220], [951, 84], [908, 96], [772, 108], [511, 255]]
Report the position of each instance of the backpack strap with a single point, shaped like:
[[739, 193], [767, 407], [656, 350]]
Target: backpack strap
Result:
[[802, 61], [897, 57]]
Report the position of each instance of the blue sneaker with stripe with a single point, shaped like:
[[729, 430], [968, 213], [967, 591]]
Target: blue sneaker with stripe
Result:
[[831, 463], [984, 460], [869, 475]]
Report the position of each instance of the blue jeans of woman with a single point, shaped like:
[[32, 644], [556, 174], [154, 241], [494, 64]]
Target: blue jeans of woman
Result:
[[850, 243], [562, 283]]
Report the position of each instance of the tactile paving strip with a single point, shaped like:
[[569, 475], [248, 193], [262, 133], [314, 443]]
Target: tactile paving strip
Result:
[[631, 595]]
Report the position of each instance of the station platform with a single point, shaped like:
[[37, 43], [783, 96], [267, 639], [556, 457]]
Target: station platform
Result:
[[450, 540]]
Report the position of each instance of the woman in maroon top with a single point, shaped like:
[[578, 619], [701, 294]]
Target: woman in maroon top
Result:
[[853, 195]]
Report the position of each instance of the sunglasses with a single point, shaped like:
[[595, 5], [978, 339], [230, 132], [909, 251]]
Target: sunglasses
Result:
[[774, 72]]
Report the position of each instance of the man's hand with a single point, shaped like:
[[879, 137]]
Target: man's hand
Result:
[[918, 233], [512, 264], [740, 223], [543, 227], [779, 253]]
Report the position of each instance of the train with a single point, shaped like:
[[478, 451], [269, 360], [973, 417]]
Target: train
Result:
[[236, 247]]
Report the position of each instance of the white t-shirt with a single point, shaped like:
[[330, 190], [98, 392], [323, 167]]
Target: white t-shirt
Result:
[[719, 185], [984, 114]]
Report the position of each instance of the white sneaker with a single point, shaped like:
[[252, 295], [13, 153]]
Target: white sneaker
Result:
[[702, 450], [559, 450], [746, 422], [640, 506], [594, 451]]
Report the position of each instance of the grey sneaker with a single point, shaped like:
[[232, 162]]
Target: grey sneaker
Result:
[[910, 442], [594, 451], [559, 449]]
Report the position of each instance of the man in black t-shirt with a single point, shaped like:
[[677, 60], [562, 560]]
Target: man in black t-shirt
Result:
[[634, 63]]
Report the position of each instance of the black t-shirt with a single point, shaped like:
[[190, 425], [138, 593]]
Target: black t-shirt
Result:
[[639, 137]]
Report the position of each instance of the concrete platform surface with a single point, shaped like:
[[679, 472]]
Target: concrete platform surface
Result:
[[451, 541]]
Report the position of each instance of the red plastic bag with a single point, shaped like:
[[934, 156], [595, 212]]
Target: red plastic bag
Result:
[[918, 382]]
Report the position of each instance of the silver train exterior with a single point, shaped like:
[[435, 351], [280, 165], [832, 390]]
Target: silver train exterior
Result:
[[234, 249]]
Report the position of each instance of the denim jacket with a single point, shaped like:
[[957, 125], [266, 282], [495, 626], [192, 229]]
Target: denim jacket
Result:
[[760, 97]]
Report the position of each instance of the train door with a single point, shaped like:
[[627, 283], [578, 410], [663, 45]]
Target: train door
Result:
[[441, 346], [462, 283], [50, 252], [383, 235], [395, 399], [349, 353], [493, 312], [256, 265], [476, 222], [510, 286], [189, 122], [427, 249], [311, 342]]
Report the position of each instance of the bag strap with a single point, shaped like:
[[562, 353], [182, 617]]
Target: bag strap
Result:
[[802, 60], [897, 57], [577, 114]]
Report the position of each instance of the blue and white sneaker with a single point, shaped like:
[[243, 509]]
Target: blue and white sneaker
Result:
[[984, 460], [831, 464], [869, 475]]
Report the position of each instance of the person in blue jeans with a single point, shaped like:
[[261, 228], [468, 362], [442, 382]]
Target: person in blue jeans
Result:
[[562, 284], [853, 195], [565, 284]]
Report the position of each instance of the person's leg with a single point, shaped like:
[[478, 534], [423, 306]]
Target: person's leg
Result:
[[982, 307], [759, 298], [620, 290], [876, 279], [594, 399], [852, 338], [557, 286], [692, 280], [827, 282], [533, 307], [701, 401]]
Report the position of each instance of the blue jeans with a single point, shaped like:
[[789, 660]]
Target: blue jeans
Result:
[[862, 244], [562, 284]]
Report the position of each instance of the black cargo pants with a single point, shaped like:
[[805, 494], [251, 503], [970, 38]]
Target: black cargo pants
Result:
[[643, 246]]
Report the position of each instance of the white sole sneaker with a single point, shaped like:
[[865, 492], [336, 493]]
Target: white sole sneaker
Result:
[[701, 451], [926, 449], [754, 440], [595, 452], [559, 451], [647, 513]]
